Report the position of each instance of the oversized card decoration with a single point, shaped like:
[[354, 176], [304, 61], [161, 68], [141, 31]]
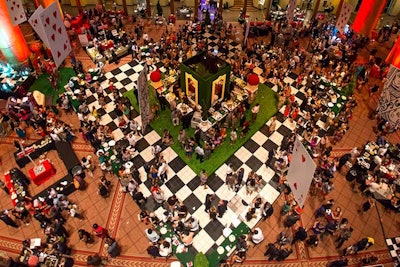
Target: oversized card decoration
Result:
[[16, 11], [36, 24], [344, 16], [301, 172], [55, 33], [389, 101]]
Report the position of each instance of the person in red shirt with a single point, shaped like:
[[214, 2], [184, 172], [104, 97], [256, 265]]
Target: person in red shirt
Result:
[[99, 231]]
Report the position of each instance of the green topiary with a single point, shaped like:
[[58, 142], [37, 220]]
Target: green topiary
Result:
[[159, 9], [201, 260], [349, 89]]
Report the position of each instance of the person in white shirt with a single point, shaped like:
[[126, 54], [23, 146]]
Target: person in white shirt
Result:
[[165, 248], [131, 139], [257, 236], [162, 170], [152, 235]]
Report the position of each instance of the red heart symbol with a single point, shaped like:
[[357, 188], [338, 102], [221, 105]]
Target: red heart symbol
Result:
[[13, 3], [58, 54], [48, 20], [12, 8], [295, 185], [65, 46], [35, 21], [55, 14], [54, 27], [59, 30], [21, 16], [15, 18], [303, 159], [18, 6], [53, 37]]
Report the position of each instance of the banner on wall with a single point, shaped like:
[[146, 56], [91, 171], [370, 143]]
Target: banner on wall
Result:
[[301, 172], [389, 101], [144, 100]]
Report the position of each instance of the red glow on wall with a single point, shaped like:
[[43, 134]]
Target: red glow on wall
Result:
[[367, 16], [394, 55]]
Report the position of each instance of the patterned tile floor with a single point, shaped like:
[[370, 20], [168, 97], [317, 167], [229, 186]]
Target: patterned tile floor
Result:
[[119, 214]]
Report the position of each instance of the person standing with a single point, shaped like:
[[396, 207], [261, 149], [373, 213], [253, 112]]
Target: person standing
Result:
[[222, 207], [267, 210], [99, 231], [254, 112], [209, 200], [199, 153], [299, 235], [5, 217], [344, 235], [203, 178]]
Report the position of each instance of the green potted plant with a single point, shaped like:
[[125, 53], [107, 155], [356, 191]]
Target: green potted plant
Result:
[[159, 9], [201, 260]]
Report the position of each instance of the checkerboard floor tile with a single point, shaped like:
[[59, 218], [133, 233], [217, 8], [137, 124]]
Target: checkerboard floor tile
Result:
[[182, 181]]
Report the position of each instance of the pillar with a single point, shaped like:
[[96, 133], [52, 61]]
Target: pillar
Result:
[[79, 6], [12, 42], [125, 7], [172, 6], [339, 8], [148, 8], [368, 16], [393, 57], [196, 9], [244, 8], [316, 7], [267, 9]]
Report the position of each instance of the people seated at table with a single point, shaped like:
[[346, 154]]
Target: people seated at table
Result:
[[187, 237], [165, 249], [152, 235]]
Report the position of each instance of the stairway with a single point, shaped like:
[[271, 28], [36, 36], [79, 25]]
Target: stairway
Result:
[[238, 4]]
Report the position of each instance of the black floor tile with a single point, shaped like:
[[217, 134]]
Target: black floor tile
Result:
[[141, 145], [112, 126], [285, 131], [194, 183], [251, 146], [214, 229], [214, 182], [90, 99], [236, 163], [254, 163], [130, 72], [113, 115], [193, 203], [174, 184], [116, 71], [269, 84], [265, 130], [133, 63], [177, 164], [269, 145]]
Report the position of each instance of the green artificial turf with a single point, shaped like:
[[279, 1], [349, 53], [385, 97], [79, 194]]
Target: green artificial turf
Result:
[[268, 107], [42, 84]]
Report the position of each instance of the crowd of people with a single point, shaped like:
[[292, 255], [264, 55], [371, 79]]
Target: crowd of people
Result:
[[328, 57]]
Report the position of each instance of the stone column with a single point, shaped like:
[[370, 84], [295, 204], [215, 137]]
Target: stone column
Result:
[[12, 42], [267, 8], [316, 7], [368, 16]]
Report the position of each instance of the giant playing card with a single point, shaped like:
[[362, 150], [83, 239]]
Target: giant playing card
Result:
[[36, 24], [16, 11], [56, 33], [301, 172]]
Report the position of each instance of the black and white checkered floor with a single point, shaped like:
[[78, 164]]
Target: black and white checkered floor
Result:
[[183, 181], [394, 248]]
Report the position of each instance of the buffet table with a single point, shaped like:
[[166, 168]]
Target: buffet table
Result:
[[42, 172], [33, 151], [228, 245], [16, 183]]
